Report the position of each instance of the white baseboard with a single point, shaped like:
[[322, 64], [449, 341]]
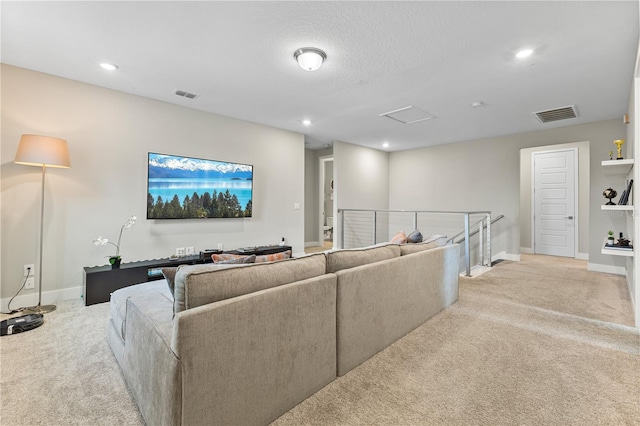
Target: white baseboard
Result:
[[312, 244], [527, 250], [617, 270], [506, 256], [48, 298]]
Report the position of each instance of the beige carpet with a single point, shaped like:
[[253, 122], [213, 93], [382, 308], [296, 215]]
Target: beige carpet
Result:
[[537, 342]]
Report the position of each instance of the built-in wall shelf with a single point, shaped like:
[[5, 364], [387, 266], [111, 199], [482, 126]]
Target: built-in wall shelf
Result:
[[624, 162], [619, 166], [616, 207], [615, 251]]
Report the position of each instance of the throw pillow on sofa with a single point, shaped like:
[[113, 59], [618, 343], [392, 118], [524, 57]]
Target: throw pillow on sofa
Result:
[[414, 237], [238, 260], [399, 238], [170, 276], [227, 256], [273, 257]]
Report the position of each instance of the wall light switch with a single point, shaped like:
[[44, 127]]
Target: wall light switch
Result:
[[180, 251], [189, 251]]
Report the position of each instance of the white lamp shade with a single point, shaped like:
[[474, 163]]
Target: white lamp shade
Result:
[[35, 150]]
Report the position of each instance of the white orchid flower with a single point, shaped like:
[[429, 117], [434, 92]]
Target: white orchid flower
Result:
[[102, 241]]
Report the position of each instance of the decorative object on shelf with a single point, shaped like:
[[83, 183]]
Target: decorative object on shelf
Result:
[[45, 152], [619, 143], [624, 199], [610, 155], [610, 193], [115, 260], [610, 238], [625, 119]]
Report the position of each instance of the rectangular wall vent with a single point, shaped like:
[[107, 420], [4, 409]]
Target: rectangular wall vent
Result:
[[185, 94], [557, 114], [408, 115]]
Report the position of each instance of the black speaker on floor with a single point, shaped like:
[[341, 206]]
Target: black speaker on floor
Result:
[[19, 324]]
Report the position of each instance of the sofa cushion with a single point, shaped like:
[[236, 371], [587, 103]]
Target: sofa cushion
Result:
[[345, 259], [118, 304], [428, 243], [198, 285]]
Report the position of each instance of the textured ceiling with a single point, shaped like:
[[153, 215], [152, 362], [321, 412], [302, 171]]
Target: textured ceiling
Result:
[[437, 56]]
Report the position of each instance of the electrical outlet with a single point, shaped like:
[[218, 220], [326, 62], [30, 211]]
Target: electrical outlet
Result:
[[30, 283], [220, 246], [180, 251], [29, 270], [189, 251]]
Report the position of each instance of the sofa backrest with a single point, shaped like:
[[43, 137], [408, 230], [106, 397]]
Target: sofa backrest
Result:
[[345, 259], [199, 285], [429, 243]]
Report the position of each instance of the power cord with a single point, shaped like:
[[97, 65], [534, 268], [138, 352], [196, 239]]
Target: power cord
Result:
[[18, 292]]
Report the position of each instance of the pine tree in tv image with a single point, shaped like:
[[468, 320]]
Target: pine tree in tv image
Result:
[[192, 188]]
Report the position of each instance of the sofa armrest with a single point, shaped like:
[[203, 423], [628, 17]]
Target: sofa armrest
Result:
[[380, 302], [150, 367]]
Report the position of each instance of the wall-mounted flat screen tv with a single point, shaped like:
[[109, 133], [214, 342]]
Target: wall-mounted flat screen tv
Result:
[[191, 188]]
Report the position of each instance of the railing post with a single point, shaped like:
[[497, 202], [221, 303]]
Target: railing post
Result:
[[467, 259], [342, 230], [375, 223], [481, 241], [488, 239], [415, 220]]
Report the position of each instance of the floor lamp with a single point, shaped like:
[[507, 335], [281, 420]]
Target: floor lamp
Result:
[[42, 151]]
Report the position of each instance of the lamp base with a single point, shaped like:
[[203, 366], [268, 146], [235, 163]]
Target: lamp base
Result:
[[40, 309]]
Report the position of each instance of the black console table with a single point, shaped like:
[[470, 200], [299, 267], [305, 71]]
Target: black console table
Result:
[[100, 281]]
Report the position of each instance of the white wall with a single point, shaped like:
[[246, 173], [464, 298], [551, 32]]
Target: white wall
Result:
[[485, 175], [361, 181], [109, 135]]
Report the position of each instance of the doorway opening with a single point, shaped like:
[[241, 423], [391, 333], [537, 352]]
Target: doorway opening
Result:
[[326, 182]]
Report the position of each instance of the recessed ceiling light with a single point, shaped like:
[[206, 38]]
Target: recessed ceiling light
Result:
[[306, 122], [524, 53], [309, 58], [477, 104], [385, 145], [108, 66]]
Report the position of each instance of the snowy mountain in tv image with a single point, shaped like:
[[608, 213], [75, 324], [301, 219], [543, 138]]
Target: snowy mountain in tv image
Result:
[[173, 167]]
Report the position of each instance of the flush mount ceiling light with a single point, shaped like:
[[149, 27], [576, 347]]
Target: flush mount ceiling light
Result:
[[385, 145], [309, 58], [306, 122], [524, 53], [109, 67]]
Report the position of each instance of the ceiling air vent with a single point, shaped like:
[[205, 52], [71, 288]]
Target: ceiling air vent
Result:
[[408, 115], [184, 94], [557, 114]]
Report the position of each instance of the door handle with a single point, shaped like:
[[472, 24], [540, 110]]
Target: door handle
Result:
[[569, 217]]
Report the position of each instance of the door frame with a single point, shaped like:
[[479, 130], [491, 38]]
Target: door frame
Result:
[[322, 160], [576, 190]]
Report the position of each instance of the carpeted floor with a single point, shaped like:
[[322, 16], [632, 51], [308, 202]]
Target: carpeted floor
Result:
[[536, 342]]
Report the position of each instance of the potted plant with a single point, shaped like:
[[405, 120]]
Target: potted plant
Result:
[[116, 259], [610, 238]]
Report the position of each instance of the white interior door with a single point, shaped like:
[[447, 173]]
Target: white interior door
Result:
[[554, 202]]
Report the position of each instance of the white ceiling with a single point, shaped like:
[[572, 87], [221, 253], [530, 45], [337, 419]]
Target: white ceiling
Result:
[[381, 56]]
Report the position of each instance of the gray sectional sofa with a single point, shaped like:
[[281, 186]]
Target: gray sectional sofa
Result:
[[243, 344]]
